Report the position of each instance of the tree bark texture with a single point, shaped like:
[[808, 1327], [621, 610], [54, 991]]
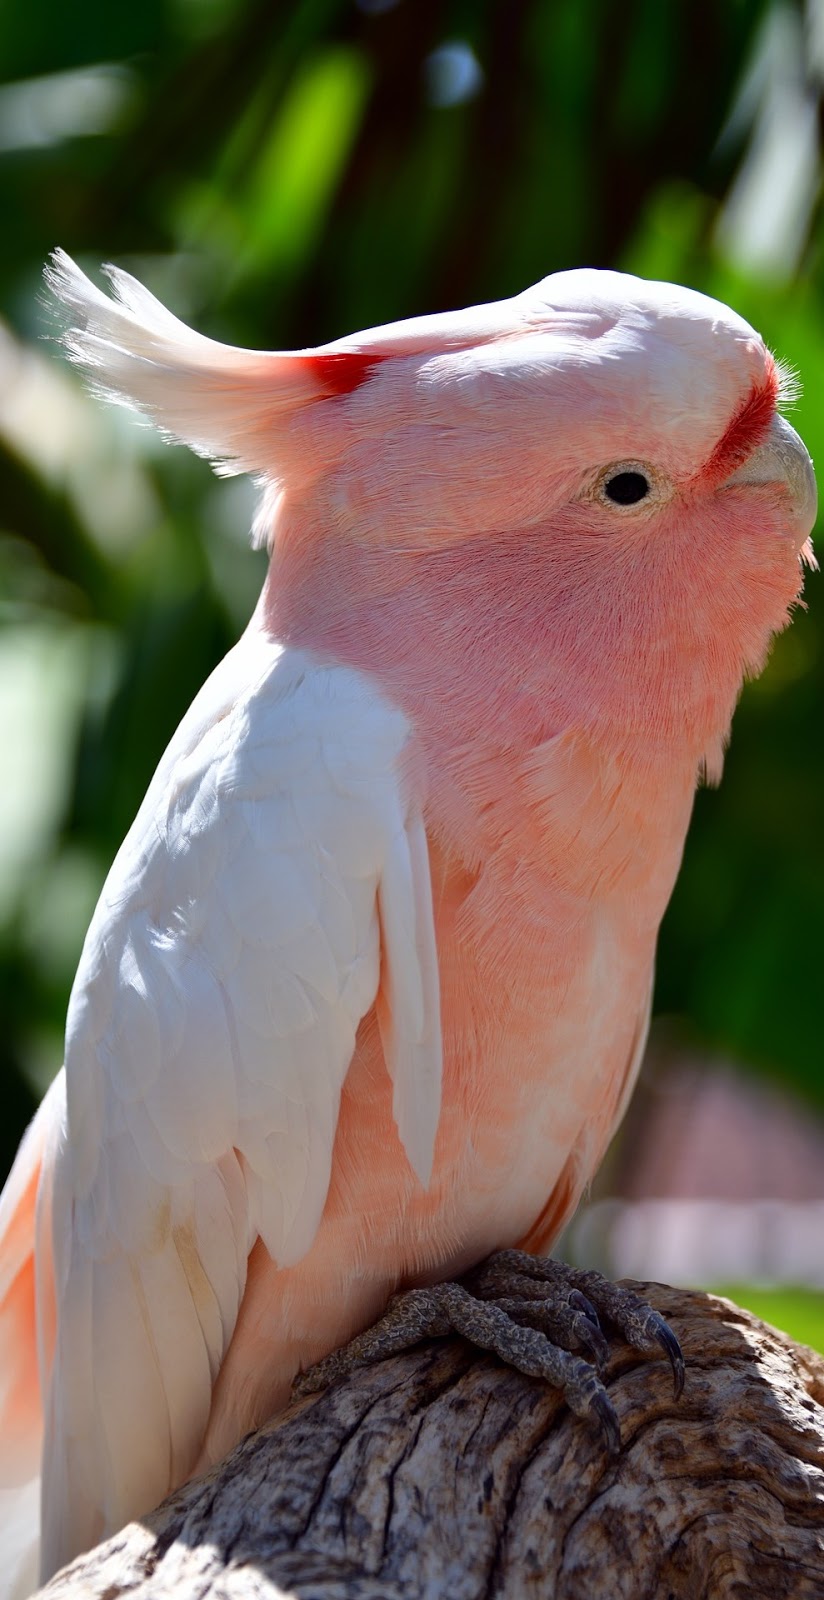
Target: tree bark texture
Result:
[[442, 1475]]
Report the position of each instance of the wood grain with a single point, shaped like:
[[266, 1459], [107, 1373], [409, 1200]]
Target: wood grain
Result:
[[441, 1473]]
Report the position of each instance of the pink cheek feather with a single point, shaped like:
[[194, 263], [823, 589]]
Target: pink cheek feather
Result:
[[645, 624]]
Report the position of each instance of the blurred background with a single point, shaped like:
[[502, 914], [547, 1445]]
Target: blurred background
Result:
[[281, 174]]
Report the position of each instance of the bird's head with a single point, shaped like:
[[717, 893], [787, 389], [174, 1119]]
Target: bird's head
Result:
[[584, 496]]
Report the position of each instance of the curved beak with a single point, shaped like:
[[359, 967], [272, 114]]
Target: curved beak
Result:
[[783, 458]]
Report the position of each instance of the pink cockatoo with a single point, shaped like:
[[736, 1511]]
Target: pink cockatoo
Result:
[[369, 981]]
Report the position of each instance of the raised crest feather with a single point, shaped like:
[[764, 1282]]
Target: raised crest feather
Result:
[[230, 405]]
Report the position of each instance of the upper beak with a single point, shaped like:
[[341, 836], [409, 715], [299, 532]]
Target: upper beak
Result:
[[784, 458]]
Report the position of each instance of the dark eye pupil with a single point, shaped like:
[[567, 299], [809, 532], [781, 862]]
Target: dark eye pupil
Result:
[[626, 488]]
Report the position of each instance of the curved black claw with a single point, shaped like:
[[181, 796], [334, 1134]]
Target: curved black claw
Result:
[[581, 1303], [592, 1339], [601, 1407], [672, 1349]]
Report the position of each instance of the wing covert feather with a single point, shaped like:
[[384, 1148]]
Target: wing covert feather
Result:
[[276, 875]]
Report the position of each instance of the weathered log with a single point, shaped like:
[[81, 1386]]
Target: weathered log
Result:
[[441, 1473]]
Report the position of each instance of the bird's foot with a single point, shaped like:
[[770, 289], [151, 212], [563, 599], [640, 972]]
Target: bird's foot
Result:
[[534, 1313]]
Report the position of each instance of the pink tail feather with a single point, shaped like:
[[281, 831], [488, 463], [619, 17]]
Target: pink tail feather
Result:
[[21, 1413]]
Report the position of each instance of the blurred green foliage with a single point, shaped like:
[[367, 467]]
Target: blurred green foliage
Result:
[[798, 1312], [281, 174]]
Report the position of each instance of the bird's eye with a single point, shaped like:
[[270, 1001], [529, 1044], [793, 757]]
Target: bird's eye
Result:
[[630, 486], [627, 488]]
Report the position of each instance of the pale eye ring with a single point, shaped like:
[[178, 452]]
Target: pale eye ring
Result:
[[629, 486]]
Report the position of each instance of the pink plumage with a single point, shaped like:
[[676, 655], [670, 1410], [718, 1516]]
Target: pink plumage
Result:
[[369, 982]]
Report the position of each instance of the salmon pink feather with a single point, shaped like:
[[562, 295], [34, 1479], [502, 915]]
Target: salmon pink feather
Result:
[[369, 981]]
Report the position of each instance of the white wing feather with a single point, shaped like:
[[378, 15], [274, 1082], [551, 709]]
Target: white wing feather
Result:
[[275, 869]]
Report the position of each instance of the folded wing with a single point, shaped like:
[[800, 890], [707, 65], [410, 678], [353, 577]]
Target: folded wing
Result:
[[275, 879]]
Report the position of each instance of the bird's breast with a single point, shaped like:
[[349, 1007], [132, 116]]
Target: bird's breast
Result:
[[545, 976]]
